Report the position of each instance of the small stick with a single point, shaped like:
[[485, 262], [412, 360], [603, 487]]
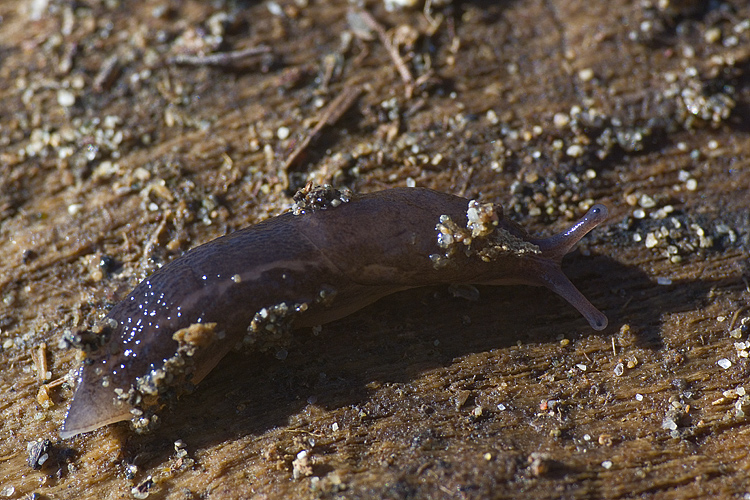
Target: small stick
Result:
[[107, 74], [219, 58], [329, 116], [39, 357], [55, 383], [736, 316], [153, 241], [398, 61], [466, 181], [7, 457], [66, 62]]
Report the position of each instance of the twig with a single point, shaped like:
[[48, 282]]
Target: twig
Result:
[[39, 357], [7, 457], [329, 116], [153, 240], [107, 74], [55, 383], [398, 61], [467, 180], [219, 58], [66, 61], [736, 316]]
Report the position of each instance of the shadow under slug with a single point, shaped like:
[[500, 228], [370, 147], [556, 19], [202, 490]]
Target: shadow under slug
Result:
[[395, 341]]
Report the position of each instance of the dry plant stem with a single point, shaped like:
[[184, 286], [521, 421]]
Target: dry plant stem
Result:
[[736, 316], [107, 74], [398, 61], [329, 116], [55, 383], [221, 58], [153, 241], [39, 357]]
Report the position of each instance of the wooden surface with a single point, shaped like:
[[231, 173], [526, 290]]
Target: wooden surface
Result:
[[110, 148]]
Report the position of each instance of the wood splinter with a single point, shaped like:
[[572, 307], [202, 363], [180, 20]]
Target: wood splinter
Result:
[[403, 70], [220, 58], [329, 116]]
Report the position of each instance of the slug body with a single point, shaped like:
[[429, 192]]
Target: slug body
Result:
[[254, 285]]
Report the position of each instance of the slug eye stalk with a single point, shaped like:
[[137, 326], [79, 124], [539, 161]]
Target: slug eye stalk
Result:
[[554, 248]]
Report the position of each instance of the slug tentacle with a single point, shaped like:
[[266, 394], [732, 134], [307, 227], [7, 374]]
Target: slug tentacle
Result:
[[557, 246], [554, 248], [552, 277]]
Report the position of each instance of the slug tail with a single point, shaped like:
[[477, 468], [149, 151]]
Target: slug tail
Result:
[[92, 407]]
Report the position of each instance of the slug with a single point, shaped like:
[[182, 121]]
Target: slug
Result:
[[333, 254]]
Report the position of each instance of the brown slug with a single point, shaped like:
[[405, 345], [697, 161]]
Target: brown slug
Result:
[[332, 255]]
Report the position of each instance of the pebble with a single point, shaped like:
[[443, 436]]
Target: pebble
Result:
[[65, 98]]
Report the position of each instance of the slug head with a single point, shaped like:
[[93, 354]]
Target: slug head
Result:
[[536, 262], [547, 264]]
